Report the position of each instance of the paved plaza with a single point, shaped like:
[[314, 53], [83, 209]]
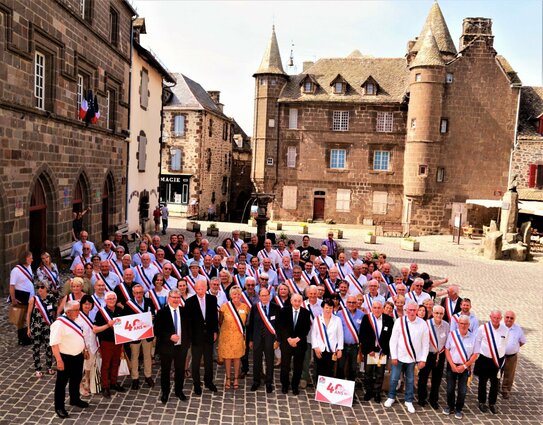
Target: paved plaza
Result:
[[489, 284]]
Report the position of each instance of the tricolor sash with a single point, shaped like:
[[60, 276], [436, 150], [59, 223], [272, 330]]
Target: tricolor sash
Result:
[[396, 315], [407, 338], [412, 296], [281, 273], [176, 271], [237, 281], [324, 333], [383, 277], [152, 249], [282, 253], [351, 278], [136, 307], [158, 265], [351, 262], [205, 274], [144, 279], [492, 346], [100, 276], [342, 305], [457, 339], [236, 316], [246, 299], [456, 316], [265, 319], [124, 291], [368, 300], [26, 273], [324, 262], [392, 289], [341, 272], [182, 301], [169, 248], [71, 297], [86, 319], [449, 308], [433, 334], [84, 260], [116, 268], [191, 281], [237, 248], [307, 305], [42, 309], [373, 323], [294, 287], [105, 314], [154, 299], [279, 301], [72, 325], [97, 301], [329, 286], [109, 256], [350, 324], [306, 277], [51, 277]]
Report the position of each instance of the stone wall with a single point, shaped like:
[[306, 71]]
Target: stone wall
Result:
[[528, 152]]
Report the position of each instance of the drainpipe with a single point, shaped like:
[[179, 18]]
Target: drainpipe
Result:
[[129, 107]]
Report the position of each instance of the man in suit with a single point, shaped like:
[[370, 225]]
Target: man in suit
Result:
[[293, 326], [262, 338], [172, 334], [375, 332], [451, 303], [201, 311]]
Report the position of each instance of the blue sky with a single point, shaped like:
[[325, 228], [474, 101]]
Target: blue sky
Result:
[[220, 44]]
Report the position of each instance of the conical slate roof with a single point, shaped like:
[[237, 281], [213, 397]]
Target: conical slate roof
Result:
[[428, 54], [436, 23], [271, 62]]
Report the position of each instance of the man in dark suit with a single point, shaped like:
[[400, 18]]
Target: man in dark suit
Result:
[[262, 338], [451, 303], [293, 326], [375, 332], [172, 335], [201, 311]]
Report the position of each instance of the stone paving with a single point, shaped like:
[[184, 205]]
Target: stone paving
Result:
[[26, 400]]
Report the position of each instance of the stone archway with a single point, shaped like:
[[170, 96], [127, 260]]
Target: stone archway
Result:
[[108, 205], [41, 217]]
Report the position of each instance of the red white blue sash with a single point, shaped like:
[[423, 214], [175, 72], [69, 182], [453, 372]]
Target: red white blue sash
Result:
[[323, 333], [71, 297], [86, 319], [350, 324], [341, 272], [191, 281], [205, 274], [412, 296], [237, 248], [84, 260], [237, 281], [105, 314], [109, 256], [329, 286], [42, 309], [279, 301], [51, 277], [176, 271], [307, 305], [152, 249], [433, 334], [449, 308], [368, 300], [265, 319], [456, 316], [169, 247], [342, 304], [407, 338], [250, 271], [144, 279], [323, 260], [154, 299], [72, 325], [373, 323], [97, 301], [246, 299], [282, 253], [116, 268], [26, 273], [158, 265], [293, 287], [236, 316], [396, 315], [392, 289], [281, 273], [492, 346], [100, 276], [264, 253], [306, 277], [136, 307], [351, 278], [460, 348], [351, 263], [124, 291], [182, 301]]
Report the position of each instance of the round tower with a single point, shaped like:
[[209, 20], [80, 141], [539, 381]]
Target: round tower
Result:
[[270, 79]]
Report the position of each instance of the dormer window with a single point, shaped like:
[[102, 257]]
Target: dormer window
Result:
[[308, 87], [370, 86], [369, 89], [339, 85], [339, 88]]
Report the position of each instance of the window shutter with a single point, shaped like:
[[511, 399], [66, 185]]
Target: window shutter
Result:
[[142, 152], [531, 175], [293, 118]]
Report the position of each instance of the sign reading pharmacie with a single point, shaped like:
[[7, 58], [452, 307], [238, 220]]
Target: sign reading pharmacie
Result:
[[335, 391], [168, 178], [133, 327]]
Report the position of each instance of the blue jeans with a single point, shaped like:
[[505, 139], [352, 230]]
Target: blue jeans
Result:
[[453, 379], [409, 370]]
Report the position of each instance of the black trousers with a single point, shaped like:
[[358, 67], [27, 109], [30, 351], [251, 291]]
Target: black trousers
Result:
[[435, 366], [178, 357], [245, 358], [297, 356], [263, 347], [206, 350], [72, 373], [325, 365], [487, 371], [373, 378]]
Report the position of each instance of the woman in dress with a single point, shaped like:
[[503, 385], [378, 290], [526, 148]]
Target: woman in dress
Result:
[[327, 339], [21, 290], [40, 315], [48, 271], [228, 245], [91, 344], [232, 318], [75, 294]]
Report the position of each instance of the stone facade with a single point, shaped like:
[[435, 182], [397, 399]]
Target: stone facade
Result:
[[51, 162], [445, 113], [242, 187]]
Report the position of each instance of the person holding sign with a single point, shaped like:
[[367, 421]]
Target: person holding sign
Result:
[[327, 339], [375, 332], [172, 344], [232, 319]]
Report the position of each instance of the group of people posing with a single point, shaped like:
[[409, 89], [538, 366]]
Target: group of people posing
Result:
[[287, 305]]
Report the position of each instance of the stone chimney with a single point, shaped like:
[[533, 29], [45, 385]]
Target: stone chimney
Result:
[[216, 97], [476, 27], [307, 64]]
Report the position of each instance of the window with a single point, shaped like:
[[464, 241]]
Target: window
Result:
[[142, 151], [273, 81], [114, 27], [340, 121], [293, 118], [225, 131], [80, 85], [444, 126], [290, 194], [179, 126], [413, 123], [110, 110], [262, 82], [174, 189], [535, 176], [82, 8], [423, 170], [291, 157], [440, 175], [369, 89], [380, 200], [144, 89], [343, 200], [269, 161], [39, 80], [224, 186], [449, 79], [384, 122], [271, 123], [308, 87], [210, 127], [381, 160], [208, 159], [337, 158], [338, 88], [418, 77], [175, 159]]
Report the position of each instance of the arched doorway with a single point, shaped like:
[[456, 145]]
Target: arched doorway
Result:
[[38, 221], [80, 204], [107, 205], [318, 204]]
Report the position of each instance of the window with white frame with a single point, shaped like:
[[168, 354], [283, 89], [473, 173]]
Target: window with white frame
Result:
[[39, 80], [80, 84], [291, 157], [370, 88], [290, 194], [82, 8], [293, 118], [343, 200], [381, 160], [175, 159], [380, 200], [444, 125], [337, 158], [338, 88], [179, 126], [340, 121], [308, 87], [450, 78], [384, 122]]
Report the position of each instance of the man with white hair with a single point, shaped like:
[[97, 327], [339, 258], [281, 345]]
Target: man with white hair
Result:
[[356, 280], [84, 257], [451, 303], [382, 285], [401, 289], [145, 272], [206, 250], [417, 295], [77, 247], [325, 258], [267, 268], [371, 296], [110, 279], [516, 340]]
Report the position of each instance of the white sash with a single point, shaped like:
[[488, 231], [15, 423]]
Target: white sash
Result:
[[265, 319], [42, 309]]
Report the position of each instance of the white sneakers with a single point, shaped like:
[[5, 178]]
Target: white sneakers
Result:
[[389, 402], [410, 407]]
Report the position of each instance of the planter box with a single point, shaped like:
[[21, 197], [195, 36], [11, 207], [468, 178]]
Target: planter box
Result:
[[212, 232], [338, 234], [409, 245], [192, 226], [371, 239], [304, 230]]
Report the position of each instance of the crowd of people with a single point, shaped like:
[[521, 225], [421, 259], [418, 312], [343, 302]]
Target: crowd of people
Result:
[[293, 307]]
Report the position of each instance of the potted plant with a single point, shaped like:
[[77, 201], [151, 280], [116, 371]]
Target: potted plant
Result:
[[212, 230], [370, 238], [410, 244], [304, 228], [278, 226], [283, 236]]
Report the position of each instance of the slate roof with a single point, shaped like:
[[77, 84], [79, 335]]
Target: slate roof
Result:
[[511, 73], [428, 54], [531, 108], [391, 74], [271, 61], [436, 23]]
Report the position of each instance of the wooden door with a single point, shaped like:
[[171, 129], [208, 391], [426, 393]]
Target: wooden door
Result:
[[318, 209], [37, 222]]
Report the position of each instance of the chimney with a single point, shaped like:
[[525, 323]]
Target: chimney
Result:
[[216, 97], [307, 64], [476, 27]]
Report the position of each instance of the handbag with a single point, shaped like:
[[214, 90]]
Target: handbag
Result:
[[95, 377], [124, 370], [16, 315]]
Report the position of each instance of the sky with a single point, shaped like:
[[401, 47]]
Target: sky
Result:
[[220, 44]]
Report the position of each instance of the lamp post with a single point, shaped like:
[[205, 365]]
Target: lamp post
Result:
[[262, 201]]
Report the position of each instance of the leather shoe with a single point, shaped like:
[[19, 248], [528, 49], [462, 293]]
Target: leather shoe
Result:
[[242, 374], [378, 398], [198, 390], [269, 388], [295, 391], [284, 390], [483, 407], [80, 403], [212, 388], [368, 396], [106, 393], [181, 396], [435, 405], [135, 384], [119, 388], [493, 409], [254, 387], [150, 382], [422, 403], [62, 413], [164, 399]]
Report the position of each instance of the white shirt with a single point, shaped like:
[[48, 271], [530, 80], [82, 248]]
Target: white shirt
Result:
[[411, 297], [147, 280], [272, 277], [442, 332], [77, 248], [90, 337], [106, 255], [334, 331], [470, 345], [136, 258], [473, 322], [175, 312], [419, 337], [172, 282], [272, 255], [80, 259], [371, 300], [356, 285], [516, 339], [111, 279], [68, 340], [344, 270], [501, 337], [221, 297], [18, 279], [327, 260]]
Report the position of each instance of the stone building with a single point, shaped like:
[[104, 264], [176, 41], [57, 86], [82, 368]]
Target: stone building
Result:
[[51, 162], [400, 142], [197, 152], [150, 81], [242, 187]]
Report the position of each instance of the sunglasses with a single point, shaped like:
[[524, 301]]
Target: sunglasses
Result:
[[41, 287]]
